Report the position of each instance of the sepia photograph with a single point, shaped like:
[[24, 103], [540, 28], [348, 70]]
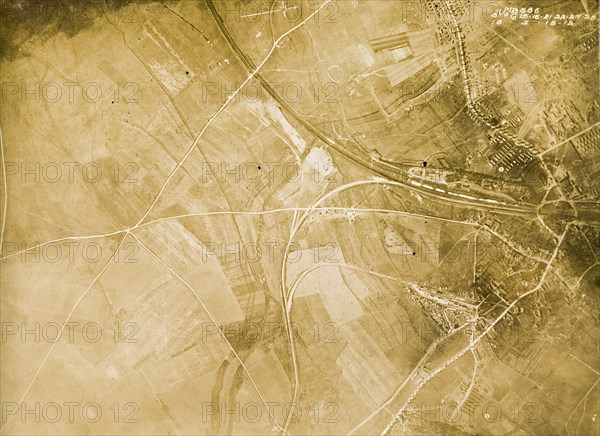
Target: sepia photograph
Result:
[[300, 217]]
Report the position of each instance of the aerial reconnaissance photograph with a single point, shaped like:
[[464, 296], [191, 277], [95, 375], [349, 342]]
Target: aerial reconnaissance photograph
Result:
[[299, 217]]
